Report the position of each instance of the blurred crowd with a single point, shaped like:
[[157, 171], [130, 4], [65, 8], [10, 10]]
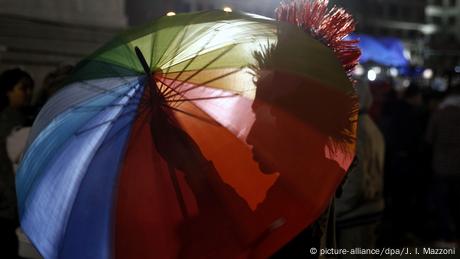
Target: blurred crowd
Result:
[[418, 136], [405, 190], [422, 171], [18, 109], [402, 190]]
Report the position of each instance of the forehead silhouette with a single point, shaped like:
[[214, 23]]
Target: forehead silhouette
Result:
[[322, 107]]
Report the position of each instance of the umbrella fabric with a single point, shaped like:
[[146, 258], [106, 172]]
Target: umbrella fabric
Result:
[[179, 150]]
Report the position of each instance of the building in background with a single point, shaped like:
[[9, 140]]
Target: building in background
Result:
[[264, 7], [445, 44], [40, 35], [446, 15], [430, 29], [425, 26], [141, 11], [392, 18], [402, 19]]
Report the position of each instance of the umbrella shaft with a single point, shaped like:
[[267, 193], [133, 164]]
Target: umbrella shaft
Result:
[[154, 94], [141, 58]]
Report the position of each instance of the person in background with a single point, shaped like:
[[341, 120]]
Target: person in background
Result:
[[404, 138], [359, 208], [15, 94], [17, 140], [443, 134], [52, 83]]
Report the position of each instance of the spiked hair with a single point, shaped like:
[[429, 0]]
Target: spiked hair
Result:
[[329, 26]]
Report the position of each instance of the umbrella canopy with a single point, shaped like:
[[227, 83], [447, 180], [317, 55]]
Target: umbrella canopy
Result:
[[203, 135]]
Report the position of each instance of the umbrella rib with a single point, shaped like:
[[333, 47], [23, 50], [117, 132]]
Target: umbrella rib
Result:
[[203, 98], [196, 55], [118, 74], [183, 37], [207, 82], [108, 121], [172, 89], [167, 93], [203, 68], [154, 40], [194, 116], [190, 61], [239, 93], [90, 86], [106, 91], [141, 110], [118, 132], [102, 107], [192, 42], [176, 51], [78, 133]]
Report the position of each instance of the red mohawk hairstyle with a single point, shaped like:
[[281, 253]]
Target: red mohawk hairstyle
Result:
[[328, 26]]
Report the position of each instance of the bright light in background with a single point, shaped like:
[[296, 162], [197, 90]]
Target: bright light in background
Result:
[[170, 14], [429, 28], [457, 69], [377, 70], [428, 73], [371, 75], [440, 84], [406, 83], [394, 72], [407, 54], [359, 70], [228, 9]]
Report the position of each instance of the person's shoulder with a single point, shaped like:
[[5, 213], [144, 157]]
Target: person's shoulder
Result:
[[10, 119], [3, 115], [447, 113], [8, 114]]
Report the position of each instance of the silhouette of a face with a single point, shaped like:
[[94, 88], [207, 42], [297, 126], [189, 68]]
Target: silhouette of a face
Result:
[[280, 140], [262, 136]]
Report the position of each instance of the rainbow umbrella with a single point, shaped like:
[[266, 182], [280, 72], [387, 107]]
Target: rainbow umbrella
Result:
[[196, 136]]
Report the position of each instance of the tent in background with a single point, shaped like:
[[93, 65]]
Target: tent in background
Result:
[[388, 51]]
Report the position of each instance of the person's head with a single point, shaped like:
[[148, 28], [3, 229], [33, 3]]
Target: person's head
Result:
[[302, 115], [413, 95], [365, 95], [454, 89], [297, 118], [53, 82], [16, 87]]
